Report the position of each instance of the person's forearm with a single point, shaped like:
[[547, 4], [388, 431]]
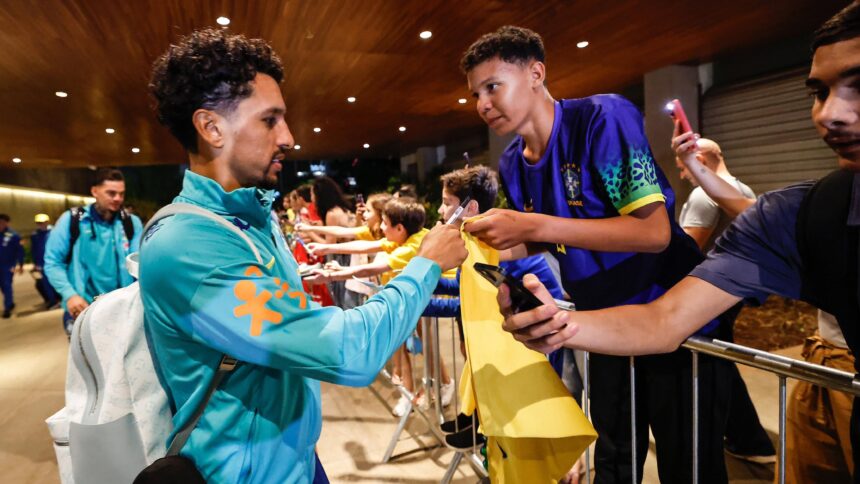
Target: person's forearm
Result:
[[364, 270], [657, 327], [334, 230], [726, 196], [624, 233], [355, 247]]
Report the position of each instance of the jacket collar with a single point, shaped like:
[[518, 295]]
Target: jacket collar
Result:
[[252, 205]]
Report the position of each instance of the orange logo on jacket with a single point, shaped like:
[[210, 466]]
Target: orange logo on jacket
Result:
[[255, 304]]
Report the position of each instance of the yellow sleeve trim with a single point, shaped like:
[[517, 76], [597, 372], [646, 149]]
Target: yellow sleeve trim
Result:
[[654, 197]]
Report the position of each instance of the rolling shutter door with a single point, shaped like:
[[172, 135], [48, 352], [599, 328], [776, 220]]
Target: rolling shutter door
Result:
[[765, 131]]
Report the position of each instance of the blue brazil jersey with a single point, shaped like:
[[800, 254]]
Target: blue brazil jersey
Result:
[[598, 164]]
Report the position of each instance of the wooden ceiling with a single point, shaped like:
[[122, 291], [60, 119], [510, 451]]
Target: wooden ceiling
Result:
[[100, 53]]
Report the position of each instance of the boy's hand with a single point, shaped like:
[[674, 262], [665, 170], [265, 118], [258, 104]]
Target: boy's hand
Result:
[[444, 246], [318, 276], [543, 329], [502, 229], [317, 249]]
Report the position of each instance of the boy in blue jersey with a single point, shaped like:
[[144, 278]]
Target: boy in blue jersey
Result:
[[204, 293], [585, 187]]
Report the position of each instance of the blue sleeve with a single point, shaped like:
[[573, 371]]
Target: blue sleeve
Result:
[[538, 266], [56, 250], [442, 307], [134, 243], [621, 154], [19, 248], [448, 287], [228, 302], [757, 254]]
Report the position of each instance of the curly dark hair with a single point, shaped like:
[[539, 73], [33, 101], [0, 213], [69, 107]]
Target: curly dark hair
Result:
[[845, 25], [328, 196], [208, 69], [516, 45], [479, 182]]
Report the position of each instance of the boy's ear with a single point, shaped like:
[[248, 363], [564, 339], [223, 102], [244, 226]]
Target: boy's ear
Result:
[[473, 208], [537, 73]]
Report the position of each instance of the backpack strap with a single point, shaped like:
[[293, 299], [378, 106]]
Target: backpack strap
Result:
[[227, 363], [76, 214], [127, 224], [178, 208]]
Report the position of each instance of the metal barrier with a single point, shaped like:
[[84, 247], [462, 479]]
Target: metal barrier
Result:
[[435, 415], [782, 366]]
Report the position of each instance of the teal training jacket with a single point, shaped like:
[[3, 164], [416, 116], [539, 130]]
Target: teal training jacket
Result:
[[204, 294], [98, 258]]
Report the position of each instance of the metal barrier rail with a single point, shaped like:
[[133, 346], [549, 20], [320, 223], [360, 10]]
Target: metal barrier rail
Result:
[[781, 366], [435, 415]]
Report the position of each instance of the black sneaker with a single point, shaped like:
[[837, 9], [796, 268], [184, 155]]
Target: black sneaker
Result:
[[463, 439], [7, 314], [462, 422], [763, 457]]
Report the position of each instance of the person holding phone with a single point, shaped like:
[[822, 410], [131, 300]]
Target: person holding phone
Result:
[[799, 242], [584, 186]]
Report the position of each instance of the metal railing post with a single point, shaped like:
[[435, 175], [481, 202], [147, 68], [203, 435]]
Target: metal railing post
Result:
[[695, 417], [781, 462], [634, 468], [586, 381]]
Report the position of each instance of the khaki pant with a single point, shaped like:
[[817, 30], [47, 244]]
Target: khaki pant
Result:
[[818, 441]]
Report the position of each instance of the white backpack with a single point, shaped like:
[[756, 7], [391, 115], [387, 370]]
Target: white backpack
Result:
[[117, 419]]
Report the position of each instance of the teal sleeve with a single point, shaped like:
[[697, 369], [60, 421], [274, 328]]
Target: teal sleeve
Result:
[[261, 320], [134, 243], [56, 250]]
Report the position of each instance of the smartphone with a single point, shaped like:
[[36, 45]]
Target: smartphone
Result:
[[676, 110], [359, 199], [521, 298]]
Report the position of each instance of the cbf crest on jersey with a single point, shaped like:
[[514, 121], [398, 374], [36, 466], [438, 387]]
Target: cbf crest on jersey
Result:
[[571, 177]]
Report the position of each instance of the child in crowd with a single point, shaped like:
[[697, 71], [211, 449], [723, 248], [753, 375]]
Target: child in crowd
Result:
[[403, 228]]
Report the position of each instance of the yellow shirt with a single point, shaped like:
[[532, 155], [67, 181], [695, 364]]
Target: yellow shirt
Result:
[[364, 233]]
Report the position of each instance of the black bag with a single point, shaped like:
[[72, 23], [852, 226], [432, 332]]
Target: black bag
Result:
[[173, 469]]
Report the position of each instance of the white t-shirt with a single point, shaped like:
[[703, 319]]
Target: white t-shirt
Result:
[[701, 211]]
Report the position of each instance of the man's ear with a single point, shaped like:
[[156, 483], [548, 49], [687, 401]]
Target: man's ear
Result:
[[537, 73], [208, 125], [93, 191]]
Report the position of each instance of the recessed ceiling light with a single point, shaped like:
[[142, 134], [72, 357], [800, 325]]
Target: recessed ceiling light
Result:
[[426, 34], [61, 94], [135, 150], [223, 21], [110, 131], [16, 160], [402, 129], [366, 145], [462, 100], [350, 99], [317, 130], [582, 44], [297, 147]]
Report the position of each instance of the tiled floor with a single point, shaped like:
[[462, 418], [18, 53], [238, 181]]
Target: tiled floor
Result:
[[357, 423]]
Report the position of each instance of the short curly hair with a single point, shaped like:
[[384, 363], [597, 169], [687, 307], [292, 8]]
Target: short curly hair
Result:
[[479, 182], [517, 45], [210, 69]]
